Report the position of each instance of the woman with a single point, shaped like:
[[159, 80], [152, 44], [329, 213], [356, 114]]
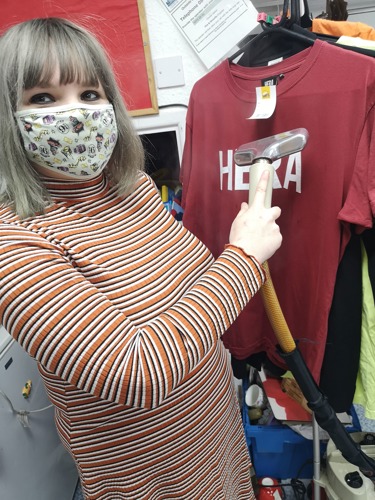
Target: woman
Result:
[[120, 305]]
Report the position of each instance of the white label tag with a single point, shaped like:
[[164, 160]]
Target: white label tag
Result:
[[274, 61], [266, 102]]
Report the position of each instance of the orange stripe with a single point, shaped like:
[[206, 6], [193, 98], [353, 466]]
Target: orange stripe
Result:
[[141, 332]]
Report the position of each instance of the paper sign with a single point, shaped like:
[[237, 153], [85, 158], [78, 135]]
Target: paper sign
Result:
[[213, 27]]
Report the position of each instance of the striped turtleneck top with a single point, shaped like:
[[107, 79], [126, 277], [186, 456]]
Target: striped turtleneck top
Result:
[[123, 309]]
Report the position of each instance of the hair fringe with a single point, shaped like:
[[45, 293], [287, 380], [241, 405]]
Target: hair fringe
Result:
[[23, 65]]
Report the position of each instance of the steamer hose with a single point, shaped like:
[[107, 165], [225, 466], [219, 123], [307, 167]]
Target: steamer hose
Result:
[[275, 314], [288, 350]]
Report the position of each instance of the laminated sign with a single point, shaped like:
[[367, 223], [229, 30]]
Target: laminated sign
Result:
[[213, 27]]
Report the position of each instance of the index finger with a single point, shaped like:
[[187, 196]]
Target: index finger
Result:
[[262, 188]]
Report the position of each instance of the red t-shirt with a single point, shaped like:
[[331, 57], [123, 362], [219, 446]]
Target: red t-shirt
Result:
[[329, 91]]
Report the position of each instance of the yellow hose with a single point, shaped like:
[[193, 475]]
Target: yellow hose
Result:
[[275, 314]]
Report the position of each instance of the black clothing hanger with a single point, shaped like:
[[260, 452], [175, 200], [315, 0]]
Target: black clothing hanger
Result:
[[283, 39], [271, 44], [306, 20], [295, 13]]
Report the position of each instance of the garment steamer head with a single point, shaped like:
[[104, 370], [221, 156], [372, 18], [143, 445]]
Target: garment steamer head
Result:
[[262, 153], [271, 148]]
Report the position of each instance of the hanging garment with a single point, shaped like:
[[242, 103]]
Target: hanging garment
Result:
[[341, 358], [349, 322], [368, 238], [339, 28], [321, 190], [365, 394], [359, 43]]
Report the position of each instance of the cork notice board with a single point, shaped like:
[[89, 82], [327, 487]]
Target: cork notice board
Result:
[[121, 27]]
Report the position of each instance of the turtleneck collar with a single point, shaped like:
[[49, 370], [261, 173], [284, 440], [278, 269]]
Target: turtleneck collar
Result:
[[76, 190]]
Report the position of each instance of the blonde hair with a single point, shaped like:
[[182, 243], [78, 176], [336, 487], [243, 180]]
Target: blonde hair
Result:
[[29, 53]]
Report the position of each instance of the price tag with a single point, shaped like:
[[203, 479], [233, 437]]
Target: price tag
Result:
[[266, 102]]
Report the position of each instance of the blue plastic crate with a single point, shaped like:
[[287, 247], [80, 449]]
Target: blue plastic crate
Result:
[[278, 451]]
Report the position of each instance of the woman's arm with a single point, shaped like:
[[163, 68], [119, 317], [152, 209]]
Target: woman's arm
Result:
[[74, 330]]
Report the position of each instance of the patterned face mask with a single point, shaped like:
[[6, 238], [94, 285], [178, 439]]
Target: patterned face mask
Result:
[[76, 140]]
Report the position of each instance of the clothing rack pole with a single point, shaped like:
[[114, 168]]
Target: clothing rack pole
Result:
[[316, 455]]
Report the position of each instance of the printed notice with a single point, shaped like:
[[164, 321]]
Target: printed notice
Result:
[[213, 27]]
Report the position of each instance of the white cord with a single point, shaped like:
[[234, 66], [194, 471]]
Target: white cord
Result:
[[22, 415]]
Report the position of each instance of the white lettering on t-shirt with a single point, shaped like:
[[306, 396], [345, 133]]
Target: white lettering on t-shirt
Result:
[[288, 172], [239, 182], [294, 164], [226, 169]]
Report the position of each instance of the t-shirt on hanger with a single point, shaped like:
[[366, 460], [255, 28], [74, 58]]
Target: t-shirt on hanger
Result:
[[322, 190]]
